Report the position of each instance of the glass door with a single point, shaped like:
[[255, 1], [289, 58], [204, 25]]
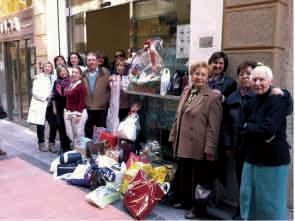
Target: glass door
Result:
[[25, 79], [19, 74], [13, 81]]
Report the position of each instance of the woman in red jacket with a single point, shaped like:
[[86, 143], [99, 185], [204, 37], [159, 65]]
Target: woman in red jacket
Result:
[[75, 113]]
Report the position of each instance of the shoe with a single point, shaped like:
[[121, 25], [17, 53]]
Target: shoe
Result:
[[52, 148], [42, 147], [2, 152], [190, 215]]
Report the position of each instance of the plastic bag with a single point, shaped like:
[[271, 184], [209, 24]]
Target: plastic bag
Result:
[[104, 195], [165, 80], [130, 127], [201, 192], [142, 195], [81, 176], [148, 60]]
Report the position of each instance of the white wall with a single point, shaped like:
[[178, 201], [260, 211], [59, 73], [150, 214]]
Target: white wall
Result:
[[206, 21], [56, 37]]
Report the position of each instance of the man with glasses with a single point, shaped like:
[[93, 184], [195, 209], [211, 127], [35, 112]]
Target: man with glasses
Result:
[[119, 54]]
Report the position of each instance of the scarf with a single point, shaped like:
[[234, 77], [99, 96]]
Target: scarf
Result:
[[61, 84]]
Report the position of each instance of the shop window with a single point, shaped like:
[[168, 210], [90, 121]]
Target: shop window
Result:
[[161, 19], [77, 26]]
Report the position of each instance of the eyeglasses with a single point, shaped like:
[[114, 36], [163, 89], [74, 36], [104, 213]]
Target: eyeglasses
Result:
[[118, 55]]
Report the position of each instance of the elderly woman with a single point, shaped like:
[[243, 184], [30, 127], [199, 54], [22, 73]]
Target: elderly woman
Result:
[[265, 172], [195, 135]]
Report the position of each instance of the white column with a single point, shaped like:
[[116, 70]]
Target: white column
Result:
[[56, 28], [206, 28]]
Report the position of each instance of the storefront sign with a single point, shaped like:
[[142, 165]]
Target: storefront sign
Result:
[[10, 25]]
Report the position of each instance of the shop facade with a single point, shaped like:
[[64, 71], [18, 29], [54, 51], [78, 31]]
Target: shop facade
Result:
[[17, 59], [256, 30]]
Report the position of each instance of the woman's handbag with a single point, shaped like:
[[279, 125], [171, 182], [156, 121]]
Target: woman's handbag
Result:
[[3, 113]]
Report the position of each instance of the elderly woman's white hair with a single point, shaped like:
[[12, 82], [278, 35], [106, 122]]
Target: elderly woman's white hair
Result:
[[263, 69]]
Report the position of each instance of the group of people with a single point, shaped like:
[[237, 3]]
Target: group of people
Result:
[[218, 120], [74, 98]]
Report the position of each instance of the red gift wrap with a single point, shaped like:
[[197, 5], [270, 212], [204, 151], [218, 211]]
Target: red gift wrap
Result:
[[110, 138], [142, 195]]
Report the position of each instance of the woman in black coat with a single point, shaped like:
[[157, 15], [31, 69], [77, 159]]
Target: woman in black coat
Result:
[[59, 105], [263, 193], [221, 83]]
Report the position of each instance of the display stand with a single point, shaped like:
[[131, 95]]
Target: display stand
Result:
[[156, 116]]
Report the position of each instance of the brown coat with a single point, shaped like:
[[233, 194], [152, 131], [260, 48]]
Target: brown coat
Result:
[[197, 132], [100, 98]]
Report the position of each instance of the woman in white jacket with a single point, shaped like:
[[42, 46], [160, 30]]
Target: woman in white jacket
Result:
[[41, 107]]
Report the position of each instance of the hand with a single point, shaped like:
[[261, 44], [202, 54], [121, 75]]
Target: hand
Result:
[[209, 156], [276, 91], [217, 92], [76, 119]]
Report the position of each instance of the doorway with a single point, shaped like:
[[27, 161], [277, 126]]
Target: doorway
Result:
[[19, 72]]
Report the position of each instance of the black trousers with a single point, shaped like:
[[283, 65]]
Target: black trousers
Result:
[[95, 118], [189, 173], [64, 140], [51, 119]]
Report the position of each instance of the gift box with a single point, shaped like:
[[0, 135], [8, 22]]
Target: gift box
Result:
[[111, 139]]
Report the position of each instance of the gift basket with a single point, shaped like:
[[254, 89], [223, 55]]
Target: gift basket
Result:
[[146, 67]]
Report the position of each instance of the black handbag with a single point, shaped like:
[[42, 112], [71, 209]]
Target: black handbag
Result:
[[3, 113]]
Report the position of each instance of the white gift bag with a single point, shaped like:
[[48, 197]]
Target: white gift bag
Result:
[[129, 128]]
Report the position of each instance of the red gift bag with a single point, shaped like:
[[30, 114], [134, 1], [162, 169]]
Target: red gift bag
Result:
[[110, 138], [142, 195]]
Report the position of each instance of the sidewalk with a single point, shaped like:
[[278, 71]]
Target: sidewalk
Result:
[[21, 142]]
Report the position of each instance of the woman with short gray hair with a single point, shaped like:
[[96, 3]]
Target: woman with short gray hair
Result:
[[265, 172]]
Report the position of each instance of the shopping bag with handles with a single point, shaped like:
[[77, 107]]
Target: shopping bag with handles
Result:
[[142, 195]]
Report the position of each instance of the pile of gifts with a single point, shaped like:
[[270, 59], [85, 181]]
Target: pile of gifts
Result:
[[102, 165]]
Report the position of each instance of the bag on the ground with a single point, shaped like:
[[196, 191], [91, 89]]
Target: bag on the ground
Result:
[[81, 175], [142, 195], [65, 168], [104, 195], [71, 157], [100, 177]]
